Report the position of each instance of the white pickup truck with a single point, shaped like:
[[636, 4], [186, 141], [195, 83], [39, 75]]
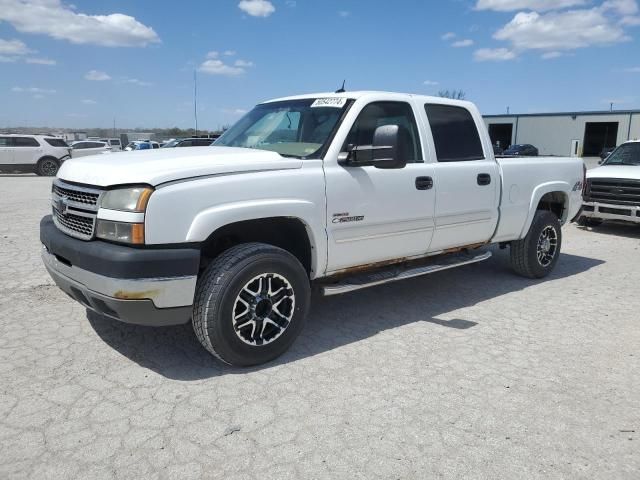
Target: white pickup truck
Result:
[[341, 191], [613, 190]]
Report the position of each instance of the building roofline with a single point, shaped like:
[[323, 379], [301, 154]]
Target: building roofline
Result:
[[566, 114]]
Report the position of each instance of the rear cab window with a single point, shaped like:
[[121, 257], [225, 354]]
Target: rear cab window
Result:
[[455, 133]]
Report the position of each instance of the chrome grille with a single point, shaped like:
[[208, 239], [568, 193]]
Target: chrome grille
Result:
[[617, 191], [75, 209], [80, 196]]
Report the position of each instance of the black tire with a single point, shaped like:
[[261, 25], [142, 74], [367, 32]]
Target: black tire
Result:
[[589, 222], [218, 302], [47, 167], [528, 256]]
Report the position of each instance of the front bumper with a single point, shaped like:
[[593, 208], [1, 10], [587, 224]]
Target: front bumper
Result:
[[608, 211], [141, 286]]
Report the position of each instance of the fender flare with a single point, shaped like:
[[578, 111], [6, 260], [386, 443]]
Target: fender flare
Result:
[[539, 192], [210, 220]]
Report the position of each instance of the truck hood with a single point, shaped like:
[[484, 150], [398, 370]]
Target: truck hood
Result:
[[154, 167], [616, 171]]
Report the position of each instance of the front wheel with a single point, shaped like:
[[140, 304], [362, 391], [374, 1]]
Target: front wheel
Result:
[[251, 304], [536, 255]]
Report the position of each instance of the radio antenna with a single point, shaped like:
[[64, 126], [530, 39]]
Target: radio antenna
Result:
[[341, 89]]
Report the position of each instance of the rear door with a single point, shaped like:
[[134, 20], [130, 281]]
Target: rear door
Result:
[[26, 150], [467, 179]]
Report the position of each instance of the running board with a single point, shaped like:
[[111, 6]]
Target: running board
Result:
[[395, 274]]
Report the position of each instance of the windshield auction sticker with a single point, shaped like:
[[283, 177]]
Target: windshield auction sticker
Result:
[[329, 102]]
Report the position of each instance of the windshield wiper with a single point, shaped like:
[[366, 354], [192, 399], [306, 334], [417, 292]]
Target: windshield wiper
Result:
[[623, 163]]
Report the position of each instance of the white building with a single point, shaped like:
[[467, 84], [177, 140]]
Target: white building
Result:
[[574, 133]]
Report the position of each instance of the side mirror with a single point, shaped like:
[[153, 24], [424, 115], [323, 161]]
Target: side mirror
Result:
[[384, 153]]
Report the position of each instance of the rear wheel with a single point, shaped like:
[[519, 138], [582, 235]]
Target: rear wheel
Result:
[[251, 304], [536, 255], [47, 167]]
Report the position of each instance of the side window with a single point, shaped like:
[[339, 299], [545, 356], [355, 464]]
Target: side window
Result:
[[114, 143], [379, 114], [25, 142], [5, 141], [454, 133], [186, 143]]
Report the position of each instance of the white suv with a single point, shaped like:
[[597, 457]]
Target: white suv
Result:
[[42, 154]]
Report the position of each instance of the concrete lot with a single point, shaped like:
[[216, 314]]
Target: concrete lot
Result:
[[470, 373]]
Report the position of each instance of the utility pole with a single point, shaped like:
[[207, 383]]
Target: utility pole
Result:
[[195, 100], [611, 110], [508, 110], [114, 127]]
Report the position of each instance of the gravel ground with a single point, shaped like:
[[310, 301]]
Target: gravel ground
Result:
[[469, 373]]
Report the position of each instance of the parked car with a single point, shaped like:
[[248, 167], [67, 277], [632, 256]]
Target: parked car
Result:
[[170, 143], [42, 154], [343, 191], [84, 148], [195, 142], [605, 153], [114, 143], [612, 191], [142, 145], [523, 150]]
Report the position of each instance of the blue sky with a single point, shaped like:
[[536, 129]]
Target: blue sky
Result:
[[82, 64]]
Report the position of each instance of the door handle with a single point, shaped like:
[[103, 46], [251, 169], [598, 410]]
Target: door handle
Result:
[[484, 179], [424, 183]]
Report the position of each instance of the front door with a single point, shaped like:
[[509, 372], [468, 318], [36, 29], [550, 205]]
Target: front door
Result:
[[376, 215]]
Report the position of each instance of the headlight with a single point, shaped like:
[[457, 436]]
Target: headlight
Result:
[[120, 231], [133, 199]]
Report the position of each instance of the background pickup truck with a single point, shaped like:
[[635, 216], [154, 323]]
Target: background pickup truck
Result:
[[342, 191]]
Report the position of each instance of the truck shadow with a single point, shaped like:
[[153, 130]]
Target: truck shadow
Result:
[[175, 353]]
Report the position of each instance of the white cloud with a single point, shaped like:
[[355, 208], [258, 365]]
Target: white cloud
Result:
[[38, 96], [632, 70], [41, 61], [621, 7], [257, 8], [135, 81], [462, 43], [560, 31], [536, 5], [218, 67], [243, 64], [291, 3], [494, 55], [430, 83], [234, 111], [61, 21], [13, 47], [4, 59], [96, 76], [229, 53], [344, 13], [630, 21], [213, 54], [35, 90], [448, 36], [88, 101], [551, 55]]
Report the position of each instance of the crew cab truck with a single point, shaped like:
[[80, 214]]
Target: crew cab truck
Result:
[[341, 191], [613, 190]]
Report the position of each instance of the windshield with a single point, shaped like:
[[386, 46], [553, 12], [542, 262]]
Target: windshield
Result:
[[626, 154], [294, 128]]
